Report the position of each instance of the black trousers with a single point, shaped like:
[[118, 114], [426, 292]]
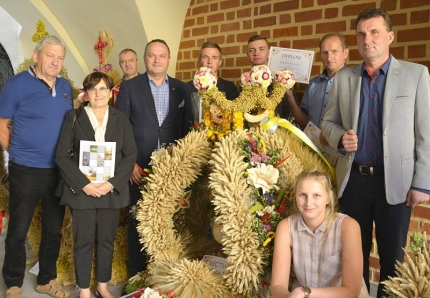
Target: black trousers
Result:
[[364, 199], [28, 186], [136, 254], [90, 225]]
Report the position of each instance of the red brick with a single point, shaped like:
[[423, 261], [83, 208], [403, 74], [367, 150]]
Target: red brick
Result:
[[388, 5], [412, 3], [292, 31], [326, 27], [265, 22], [374, 262], [316, 69], [242, 61], [285, 19], [200, 9], [306, 16], [179, 57], [247, 24], [230, 27], [178, 75], [285, 44], [421, 212], [228, 62], [267, 34], [417, 51], [231, 73], [218, 39], [246, 2], [243, 37], [331, 13], [307, 3], [214, 29], [351, 40], [413, 35], [418, 17], [214, 7], [187, 76], [201, 20], [232, 50], [243, 13], [218, 17], [400, 19], [354, 55], [426, 228], [231, 38], [413, 226], [229, 4], [286, 5], [187, 55], [398, 52], [200, 41], [354, 10], [306, 30], [189, 23], [425, 63], [200, 1], [255, 11], [187, 44], [231, 15], [187, 65], [200, 31], [196, 53], [326, 2], [186, 33], [265, 9]]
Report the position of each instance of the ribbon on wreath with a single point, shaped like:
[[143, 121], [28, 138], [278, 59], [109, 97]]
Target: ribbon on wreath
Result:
[[271, 124]]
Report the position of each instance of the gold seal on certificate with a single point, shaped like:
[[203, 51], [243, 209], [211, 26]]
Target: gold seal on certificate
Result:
[[298, 61]]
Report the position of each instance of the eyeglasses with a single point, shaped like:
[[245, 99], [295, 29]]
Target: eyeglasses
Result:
[[101, 90]]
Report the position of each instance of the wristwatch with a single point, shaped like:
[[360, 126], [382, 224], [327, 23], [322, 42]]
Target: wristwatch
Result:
[[307, 292]]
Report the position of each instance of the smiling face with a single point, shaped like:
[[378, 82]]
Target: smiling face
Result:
[[99, 95], [49, 61], [374, 39], [128, 63], [333, 56], [312, 199], [258, 52], [157, 59]]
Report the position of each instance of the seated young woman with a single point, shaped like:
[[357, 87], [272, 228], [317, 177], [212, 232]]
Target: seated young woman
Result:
[[321, 246]]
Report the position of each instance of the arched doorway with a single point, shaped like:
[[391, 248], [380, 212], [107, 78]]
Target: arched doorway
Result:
[[6, 70]]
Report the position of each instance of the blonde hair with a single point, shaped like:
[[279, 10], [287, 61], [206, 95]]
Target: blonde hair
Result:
[[324, 179]]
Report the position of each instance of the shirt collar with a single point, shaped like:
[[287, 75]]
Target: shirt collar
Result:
[[383, 69], [303, 227], [166, 80]]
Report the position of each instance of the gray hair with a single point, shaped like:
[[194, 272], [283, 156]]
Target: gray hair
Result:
[[50, 39]]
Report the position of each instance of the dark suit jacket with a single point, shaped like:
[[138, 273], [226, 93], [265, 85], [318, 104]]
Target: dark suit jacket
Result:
[[118, 130], [136, 101]]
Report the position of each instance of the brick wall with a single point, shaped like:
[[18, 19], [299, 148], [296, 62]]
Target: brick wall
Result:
[[300, 24]]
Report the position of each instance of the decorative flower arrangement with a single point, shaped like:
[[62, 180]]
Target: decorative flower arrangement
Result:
[[245, 79], [260, 76], [150, 293], [285, 78], [204, 79], [268, 196]]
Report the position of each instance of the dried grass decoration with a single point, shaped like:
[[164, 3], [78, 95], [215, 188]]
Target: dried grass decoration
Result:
[[223, 173]]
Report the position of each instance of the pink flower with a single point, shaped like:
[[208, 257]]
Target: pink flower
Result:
[[285, 78], [204, 79]]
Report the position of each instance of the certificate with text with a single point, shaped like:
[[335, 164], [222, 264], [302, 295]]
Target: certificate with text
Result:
[[97, 160], [298, 61]]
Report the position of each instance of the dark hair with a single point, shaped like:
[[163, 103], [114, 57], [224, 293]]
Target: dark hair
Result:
[[94, 78], [211, 45], [341, 37], [257, 37], [126, 51], [156, 40], [374, 13]]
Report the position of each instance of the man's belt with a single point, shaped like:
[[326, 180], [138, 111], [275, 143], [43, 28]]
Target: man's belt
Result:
[[368, 170]]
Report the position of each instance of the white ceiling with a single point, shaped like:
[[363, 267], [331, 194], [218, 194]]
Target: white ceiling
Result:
[[78, 23]]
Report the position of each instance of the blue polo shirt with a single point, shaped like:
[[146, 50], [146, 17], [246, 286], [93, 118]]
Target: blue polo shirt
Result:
[[37, 115]]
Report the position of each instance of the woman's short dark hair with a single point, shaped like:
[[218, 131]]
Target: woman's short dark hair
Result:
[[94, 78]]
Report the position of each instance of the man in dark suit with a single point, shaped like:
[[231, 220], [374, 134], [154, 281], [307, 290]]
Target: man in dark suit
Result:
[[159, 109], [210, 56]]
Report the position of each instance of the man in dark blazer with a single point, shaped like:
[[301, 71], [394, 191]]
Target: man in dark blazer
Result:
[[159, 109], [210, 56]]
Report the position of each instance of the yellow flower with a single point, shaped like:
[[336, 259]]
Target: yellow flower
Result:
[[209, 133]]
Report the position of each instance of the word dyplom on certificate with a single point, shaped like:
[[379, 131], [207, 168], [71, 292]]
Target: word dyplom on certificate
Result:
[[298, 61]]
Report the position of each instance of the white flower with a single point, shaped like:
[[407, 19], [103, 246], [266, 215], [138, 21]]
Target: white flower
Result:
[[158, 155], [268, 209], [263, 176], [260, 76], [150, 293]]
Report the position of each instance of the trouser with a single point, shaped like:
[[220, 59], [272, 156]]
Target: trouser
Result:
[[136, 254], [364, 199], [91, 225], [27, 187]]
